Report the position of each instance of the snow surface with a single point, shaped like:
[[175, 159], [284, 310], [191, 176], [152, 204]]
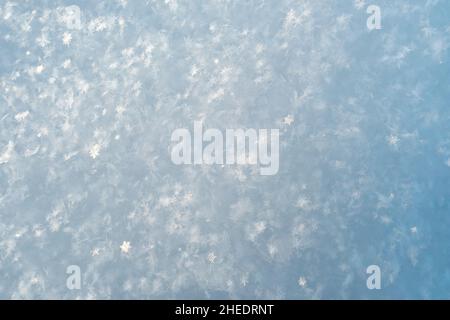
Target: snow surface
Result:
[[86, 178]]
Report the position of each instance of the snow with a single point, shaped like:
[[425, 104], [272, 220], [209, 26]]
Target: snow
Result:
[[88, 106]]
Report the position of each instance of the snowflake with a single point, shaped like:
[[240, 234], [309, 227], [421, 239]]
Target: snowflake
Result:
[[42, 41], [67, 63], [67, 38], [125, 246], [34, 280], [94, 151], [260, 227], [120, 109], [393, 140], [303, 203], [21, 116], [211, 257], [359, 4], [244, 280], [272, 250], [39, 69], [292, 19], [302, 282], [43, 132], [288, 120]]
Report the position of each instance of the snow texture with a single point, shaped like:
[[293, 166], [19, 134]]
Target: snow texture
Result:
[[86, 179]]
